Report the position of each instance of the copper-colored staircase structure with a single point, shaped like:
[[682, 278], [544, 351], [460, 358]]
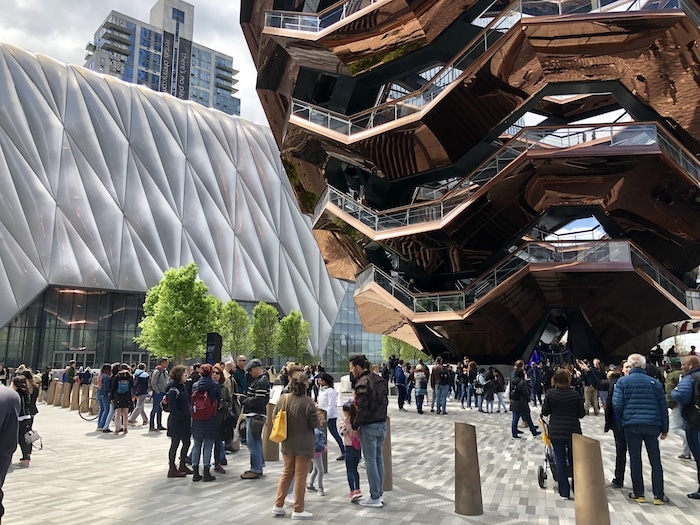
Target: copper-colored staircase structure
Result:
[[404, 128]]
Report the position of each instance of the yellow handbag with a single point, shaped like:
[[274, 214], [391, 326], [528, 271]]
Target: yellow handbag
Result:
[[279, 425]]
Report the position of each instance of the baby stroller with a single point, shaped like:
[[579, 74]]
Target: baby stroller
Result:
[[549, 461]]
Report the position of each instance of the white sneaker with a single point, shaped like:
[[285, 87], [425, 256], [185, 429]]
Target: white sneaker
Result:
[[278, 511], [302, 515], [320, 492], [289, 500], [369, 502]]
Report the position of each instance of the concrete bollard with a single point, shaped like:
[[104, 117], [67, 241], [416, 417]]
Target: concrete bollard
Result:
[[271, 450], [52, 392], [65, 401], [589, 480], [386, 455], [58, 393], [75, 397], [84, 394], [468, 499]]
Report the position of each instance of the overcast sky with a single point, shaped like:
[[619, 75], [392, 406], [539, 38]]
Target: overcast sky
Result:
[[62, 28]]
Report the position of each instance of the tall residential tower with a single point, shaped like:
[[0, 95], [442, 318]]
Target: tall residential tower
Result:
[[162, 56]]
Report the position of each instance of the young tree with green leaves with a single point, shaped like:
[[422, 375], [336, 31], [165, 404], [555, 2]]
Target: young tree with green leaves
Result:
[[265, 331], [178, 314], [234, 328], [392, 346], [294, 336]]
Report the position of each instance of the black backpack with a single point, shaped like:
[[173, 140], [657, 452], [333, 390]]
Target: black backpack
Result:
[[444, 377]]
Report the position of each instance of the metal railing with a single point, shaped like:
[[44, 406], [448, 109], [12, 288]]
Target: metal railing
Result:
[[529, 139], [533, 252], [315, 22]]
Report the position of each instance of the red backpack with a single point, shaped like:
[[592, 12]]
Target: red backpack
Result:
[[203, 408]]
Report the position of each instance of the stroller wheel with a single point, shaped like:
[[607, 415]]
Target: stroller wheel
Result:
[[541, 477]]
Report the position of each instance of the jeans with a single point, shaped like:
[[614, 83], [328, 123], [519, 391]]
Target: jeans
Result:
[[352, 460], [333, 429], [470, 394], [103, 400], [693, 437], [372, 438], [526, 417], [462, 393], [419, 403], [110, 415], [501, 403], [257, 463], [139, 409], [402, 395], [563, 458], [442, 391], [4, 467], [202, 447], [317, 471], [157, 411], [620, 453], [649, 435], [677, 426]]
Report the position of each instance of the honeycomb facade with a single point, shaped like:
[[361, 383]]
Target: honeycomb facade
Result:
[[443, 146]]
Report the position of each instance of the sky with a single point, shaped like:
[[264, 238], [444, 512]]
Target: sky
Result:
[[62, 28]]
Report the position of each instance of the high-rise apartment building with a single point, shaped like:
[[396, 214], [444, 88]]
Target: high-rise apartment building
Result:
[[162, 56]]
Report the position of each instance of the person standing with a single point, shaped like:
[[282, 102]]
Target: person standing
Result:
[[371, 400], [159, 381], [24, 389], [70, 374], [564, 407], [45, 383], [328, 401], [141, 392], [640, 404], [401, 384], [421, 381], [676, 424], [239, 379], [10, 407], [104, 379], [520, 403], [684, 394], [205, 431], [254, 409], [179, 422], [122, 386]]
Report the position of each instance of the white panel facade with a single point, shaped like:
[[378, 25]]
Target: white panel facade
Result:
[[105, 185]]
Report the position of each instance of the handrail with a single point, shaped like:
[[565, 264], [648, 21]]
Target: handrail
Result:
[[315, 22], [561, 252], [529, 139]]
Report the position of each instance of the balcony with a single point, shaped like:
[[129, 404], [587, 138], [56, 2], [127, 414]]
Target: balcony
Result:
[[316, 23], [117, 24], [115, 47]]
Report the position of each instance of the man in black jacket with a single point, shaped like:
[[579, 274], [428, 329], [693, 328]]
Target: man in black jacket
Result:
[[371, 399], [255, 410], [9, 427]]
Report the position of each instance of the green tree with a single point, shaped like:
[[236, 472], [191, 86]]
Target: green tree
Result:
[[294, 333], [265, 331], [392, 346], [178, 313], [234, 328]]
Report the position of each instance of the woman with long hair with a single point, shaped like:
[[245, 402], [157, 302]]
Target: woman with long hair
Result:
[[223, 418], [24, 388], [104, 379], [179, 423], [298, 448], [122, 390], [328, 401]]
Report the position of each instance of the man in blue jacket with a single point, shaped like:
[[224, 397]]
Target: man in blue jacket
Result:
[[640, 404], [683, 394]]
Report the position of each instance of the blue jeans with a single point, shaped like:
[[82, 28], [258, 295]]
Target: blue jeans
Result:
[[197, 451], [563, 458], [470, 394], [352, 460], [649, 435], [156, 412], [103, 400], [372, 438], [693, 437], [254, 444], [333, 429], [442, 392]]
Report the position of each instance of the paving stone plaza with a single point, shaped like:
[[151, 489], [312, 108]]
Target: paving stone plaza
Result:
[[85, 477]]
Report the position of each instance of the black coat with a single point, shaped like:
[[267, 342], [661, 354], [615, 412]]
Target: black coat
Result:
[[179, 421], [522, 404], [565, 408]]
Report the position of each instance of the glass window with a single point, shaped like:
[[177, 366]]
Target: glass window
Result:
[[178, 16]]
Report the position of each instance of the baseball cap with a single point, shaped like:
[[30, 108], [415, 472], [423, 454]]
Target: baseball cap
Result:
[[252, 364]]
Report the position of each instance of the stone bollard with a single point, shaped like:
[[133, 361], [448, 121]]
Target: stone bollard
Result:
[[58, 397], [386, 454], [84, 394], [52, 392], [65, 401], [271, 450], [589, 480], [75, 397], [468, 500]]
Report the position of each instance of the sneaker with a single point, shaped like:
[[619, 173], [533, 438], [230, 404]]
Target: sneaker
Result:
[[311, 488], [694, 495], [106, 431], [340, 458], [683, 456], [638, 499], [99, 429], [23, 463], [369, 502], [321, 492], [355, 495], [615, 484], [250, 475], [289, 500], [661, 500], [444, 413], [537, 433], [278, 511], [302, 515], [219, 469]]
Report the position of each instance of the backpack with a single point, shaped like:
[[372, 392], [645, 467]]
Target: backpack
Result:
[[141, 385], [691, 412], [514, 392], [123, 386], [203, 408], [423, 383], [86, 377], [444, 377]]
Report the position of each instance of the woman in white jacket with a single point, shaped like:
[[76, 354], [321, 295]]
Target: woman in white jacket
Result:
[[328, 401]]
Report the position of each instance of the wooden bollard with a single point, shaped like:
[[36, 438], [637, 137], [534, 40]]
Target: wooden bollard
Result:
[[84, 394], [65, 401], [468, 499], [386, 456], [75, 397], [271, 450], [52, 391], [589, 480], [58, 394]]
